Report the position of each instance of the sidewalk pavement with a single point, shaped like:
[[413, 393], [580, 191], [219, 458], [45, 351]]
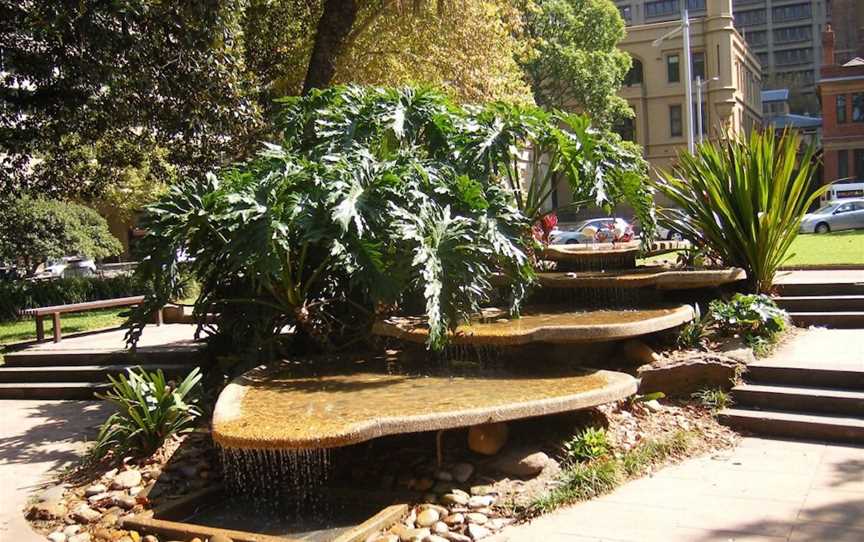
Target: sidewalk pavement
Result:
[[762, 490]]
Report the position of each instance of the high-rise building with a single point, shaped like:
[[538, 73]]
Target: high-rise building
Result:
[[847, 21], [784, 34]]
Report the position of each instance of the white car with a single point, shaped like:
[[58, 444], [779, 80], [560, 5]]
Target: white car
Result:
[[594, 230], [70, 266]]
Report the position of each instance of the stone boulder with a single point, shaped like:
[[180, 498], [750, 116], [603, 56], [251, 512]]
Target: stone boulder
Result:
[[522, 463], [635, 352], [488, 439], [685, 377]]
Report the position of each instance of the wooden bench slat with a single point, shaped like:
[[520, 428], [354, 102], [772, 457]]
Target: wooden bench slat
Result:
[[87, 305]]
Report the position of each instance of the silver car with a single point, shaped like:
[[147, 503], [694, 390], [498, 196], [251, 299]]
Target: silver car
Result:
[[835, 215]]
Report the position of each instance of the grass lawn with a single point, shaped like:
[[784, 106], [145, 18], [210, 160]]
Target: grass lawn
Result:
[[24, 330], [844, 247]]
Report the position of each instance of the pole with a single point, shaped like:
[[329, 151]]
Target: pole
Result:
[[688, 82], [699, 127]]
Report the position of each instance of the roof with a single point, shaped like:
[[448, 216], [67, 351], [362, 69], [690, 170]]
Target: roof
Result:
[[857, 61], [779, 95], [794, 121]]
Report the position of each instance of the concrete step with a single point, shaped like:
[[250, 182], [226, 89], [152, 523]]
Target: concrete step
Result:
[[795, 398], [51, 390], [821, 303], [840, 320], [81, 373], [805, 377], [47, 358], [821, 288], [799, 425]]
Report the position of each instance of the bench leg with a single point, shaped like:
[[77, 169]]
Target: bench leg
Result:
[[58, 336], [160, 318], [40, 329]]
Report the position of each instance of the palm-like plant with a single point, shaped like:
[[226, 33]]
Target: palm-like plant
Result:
[[743, 199]]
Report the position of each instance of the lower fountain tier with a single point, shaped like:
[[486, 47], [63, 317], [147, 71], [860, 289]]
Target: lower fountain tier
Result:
[[660, 278], [550, 325], [276, 409]]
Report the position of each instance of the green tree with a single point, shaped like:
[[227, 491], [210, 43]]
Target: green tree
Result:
[[35, 230], [576, 64]]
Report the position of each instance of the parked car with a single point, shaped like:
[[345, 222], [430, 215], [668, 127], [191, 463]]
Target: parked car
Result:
[[594, 230], [69, 266], [847, 214]]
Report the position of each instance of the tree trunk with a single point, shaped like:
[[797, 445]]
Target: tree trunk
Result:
[[333, 28]]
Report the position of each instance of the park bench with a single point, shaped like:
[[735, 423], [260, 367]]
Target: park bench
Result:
[[55, 311]]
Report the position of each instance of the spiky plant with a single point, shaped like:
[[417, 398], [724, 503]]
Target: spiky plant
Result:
[[743, 199]]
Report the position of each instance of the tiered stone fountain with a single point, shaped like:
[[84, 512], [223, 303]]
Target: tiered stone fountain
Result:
[[276, 424]]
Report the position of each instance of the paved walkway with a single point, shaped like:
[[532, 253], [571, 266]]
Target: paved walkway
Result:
[[164, 337], [820, 348], [38, 438], [763, 490], [819, 276]]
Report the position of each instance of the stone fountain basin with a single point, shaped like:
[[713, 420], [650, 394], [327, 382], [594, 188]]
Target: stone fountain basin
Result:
[[660, 278], [552, 325], [588, 251], [277, 408]]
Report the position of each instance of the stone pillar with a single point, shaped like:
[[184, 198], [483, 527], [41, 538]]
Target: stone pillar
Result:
[[718, 8]]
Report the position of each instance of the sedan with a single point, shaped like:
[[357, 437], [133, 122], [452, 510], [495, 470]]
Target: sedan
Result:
[[835, 216]]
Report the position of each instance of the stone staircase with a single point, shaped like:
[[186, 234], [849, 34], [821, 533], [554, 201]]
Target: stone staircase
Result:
[[799, 402], [827, 304], [79, 375]]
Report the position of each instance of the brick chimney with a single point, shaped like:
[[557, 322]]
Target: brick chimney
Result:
[[828, 46], [860, 13]]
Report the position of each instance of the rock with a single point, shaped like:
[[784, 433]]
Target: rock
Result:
[[219, 538], [54, 493], [478, 532], [151, 538], [126, 480], [57, 537], [80, 537], [440, 528], [99, 497], [443, 476], [103, 534], [407, 534], [456, 537], [47, 510], [434, 538], [496, 524], [454, 519], [411, 520], [488, 439], [71, 530], [442, 512], [85, 514], [476, 518], [522, 463], [636, 352], [481, 501], [462, 472], [383, 538], [428, 517], [455, 498], [135, 491], [683, 378], [125, 502], [482, 490], [653, 405], [95, 489]]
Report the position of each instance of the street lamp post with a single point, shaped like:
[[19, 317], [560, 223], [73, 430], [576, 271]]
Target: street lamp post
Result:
[[688, 82], [699, 84]]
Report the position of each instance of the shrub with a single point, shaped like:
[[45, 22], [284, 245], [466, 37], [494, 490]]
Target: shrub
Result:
[[742, 199], [15, 296], [693, 332], [33, 230], [591, 443], [715, 399], [753, 316], [149, 410]]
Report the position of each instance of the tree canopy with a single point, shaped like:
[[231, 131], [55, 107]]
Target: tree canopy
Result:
[[576, 64]]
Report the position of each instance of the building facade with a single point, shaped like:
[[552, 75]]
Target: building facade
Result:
[[841, 92], [655, 88], [847, 21]]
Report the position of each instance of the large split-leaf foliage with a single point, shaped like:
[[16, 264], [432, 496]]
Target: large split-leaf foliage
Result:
[[376, 200], [742, 199]]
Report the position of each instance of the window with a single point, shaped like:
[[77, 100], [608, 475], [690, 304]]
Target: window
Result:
[[626, 128], [845, 208], [791, 34], [842, 164], [698, 65], [790, 13], [858, 107], [634, 76], [750, 18], [859, 163], [673, 69], [793, 56], [763, 59], [841, 109], [756, 37], [675, 124], [626, 13], [661, 7]]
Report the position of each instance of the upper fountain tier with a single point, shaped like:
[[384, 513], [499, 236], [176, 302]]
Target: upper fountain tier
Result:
[[598, 256], [297, 406], [661, 278], [545, 324]]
